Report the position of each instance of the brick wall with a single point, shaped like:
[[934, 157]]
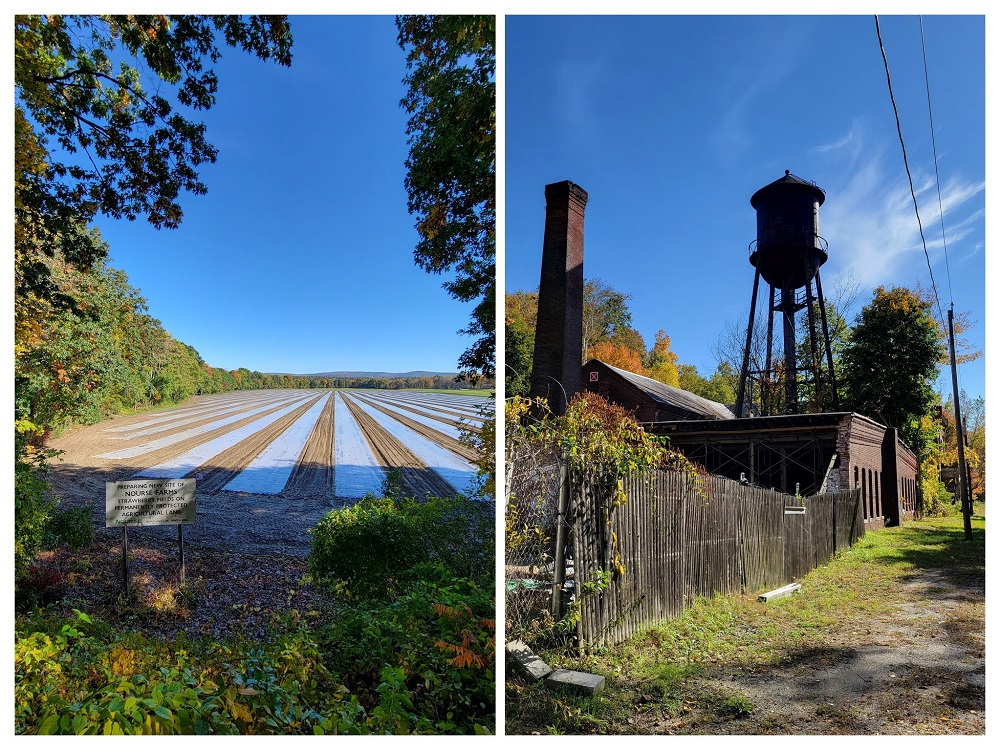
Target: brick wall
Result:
[[859, 442]]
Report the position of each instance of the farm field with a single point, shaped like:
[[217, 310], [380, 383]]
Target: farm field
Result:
[[271, 463]]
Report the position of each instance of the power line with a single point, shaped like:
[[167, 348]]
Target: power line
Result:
[[906, 165], [937, 176]]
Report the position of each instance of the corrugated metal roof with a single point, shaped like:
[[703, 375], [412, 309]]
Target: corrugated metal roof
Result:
[[676, 397]]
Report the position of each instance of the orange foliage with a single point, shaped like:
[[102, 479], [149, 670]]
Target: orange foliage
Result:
[[619, 356]]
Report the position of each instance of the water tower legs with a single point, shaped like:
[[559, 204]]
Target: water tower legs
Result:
[[817, 373], [745, 369]]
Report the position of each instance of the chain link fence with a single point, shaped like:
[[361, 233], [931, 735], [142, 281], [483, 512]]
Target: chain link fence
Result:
[[531, 501]]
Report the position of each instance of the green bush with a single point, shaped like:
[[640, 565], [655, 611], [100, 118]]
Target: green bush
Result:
[[363, 549], [72, 527], [459, 534], [32, 505]]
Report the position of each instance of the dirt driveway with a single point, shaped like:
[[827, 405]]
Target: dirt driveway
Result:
[[887, 638], [922, 671]]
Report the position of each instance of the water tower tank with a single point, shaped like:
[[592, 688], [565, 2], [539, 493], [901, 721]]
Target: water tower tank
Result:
[[788, 250]]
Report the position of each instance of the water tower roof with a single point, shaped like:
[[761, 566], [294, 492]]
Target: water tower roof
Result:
[[789, 181]]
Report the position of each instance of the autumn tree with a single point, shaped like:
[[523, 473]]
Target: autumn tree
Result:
[[618, 355], [103, 124], [450, 179], [974, 424], [892, 360], [605, 316], [661, 362]]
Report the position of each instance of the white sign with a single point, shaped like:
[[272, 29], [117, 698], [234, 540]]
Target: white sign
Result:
[[150, 502]]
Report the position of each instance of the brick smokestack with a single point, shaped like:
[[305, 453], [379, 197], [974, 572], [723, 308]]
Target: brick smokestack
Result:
[[555, 373]]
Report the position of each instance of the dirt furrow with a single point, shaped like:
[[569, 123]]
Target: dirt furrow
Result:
[[445, 441], [234, 459], [466, 425], [313, 474], [418, 479]]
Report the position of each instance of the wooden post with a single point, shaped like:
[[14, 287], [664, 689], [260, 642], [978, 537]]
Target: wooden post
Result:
[[180, 542], [959, 432], [125, 559], [559, 564]]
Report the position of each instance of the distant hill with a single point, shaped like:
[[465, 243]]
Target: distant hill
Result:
[[351, 374]]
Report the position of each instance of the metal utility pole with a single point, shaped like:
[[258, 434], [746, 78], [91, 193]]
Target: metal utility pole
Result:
[[963, 488]]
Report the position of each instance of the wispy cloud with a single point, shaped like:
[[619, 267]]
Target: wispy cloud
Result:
[[872, 227], [575, 101], [732, 136], [852, 143]]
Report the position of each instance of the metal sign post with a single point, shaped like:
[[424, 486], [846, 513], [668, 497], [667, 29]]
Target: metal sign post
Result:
[[150, 502], [125, 559]]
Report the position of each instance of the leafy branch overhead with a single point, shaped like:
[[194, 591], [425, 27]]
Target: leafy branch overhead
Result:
[[98, 88], [451, 167]]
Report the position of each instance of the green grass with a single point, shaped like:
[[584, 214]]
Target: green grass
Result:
[[652, 679]]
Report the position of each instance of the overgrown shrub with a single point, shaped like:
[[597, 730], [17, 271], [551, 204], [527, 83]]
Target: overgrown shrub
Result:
[[459, 534], [69, 682], [364, 550], [32, 505], [38, 585]]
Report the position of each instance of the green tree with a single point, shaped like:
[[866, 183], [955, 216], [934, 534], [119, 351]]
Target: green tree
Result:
[[892, 360], [811, 398], [719, 387], [519, 345], [451, 167]]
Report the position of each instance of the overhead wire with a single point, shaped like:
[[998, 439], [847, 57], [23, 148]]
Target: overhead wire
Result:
[[906, 165], [937, 176]]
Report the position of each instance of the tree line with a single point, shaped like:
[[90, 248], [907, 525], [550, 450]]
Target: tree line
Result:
[[885, 366]]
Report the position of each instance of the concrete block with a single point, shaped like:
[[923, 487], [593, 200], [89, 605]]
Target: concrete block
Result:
[[525, 662], [578, 682], [780, 593]]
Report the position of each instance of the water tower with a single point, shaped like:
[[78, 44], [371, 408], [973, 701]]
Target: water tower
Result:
[[787, 253]]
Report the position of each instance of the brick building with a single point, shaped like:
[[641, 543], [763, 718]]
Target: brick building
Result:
[[795, 453]]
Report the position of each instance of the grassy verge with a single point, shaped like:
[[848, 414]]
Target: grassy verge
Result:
[[658, 681]]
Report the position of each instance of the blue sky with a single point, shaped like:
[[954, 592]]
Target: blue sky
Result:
[[300, 257], [672, 123]]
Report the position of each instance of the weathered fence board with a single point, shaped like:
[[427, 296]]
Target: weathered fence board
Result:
[[674, 539]]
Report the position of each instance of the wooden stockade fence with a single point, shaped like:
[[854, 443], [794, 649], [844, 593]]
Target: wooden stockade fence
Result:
[[643, 561]]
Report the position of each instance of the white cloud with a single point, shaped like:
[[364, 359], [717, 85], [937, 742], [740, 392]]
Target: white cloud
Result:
[[872, 229], [852, 143]]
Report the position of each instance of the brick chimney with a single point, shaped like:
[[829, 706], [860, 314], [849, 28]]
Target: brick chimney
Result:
[[555, 373]]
